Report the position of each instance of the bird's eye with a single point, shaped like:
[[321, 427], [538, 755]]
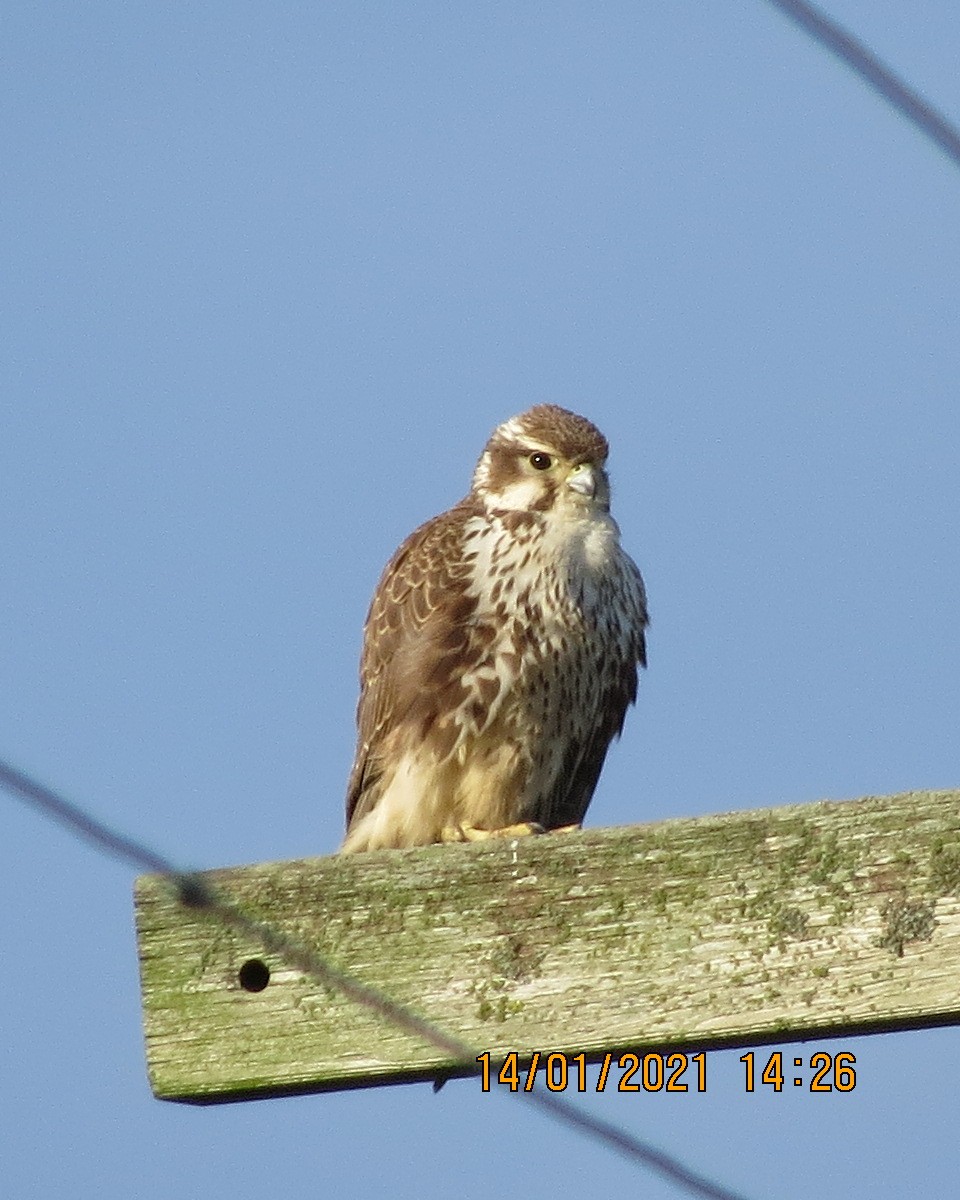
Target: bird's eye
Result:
[[540, 461]]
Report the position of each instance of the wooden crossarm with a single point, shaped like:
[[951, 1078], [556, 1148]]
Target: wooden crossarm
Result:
[[813, 920]]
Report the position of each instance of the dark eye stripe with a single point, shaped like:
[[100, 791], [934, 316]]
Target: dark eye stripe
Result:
[[540, 461]]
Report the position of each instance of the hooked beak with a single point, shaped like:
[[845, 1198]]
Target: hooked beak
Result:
[[583, 479], [589, 481]]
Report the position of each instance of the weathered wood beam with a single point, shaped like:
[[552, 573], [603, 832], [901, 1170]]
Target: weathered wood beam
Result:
[[769, 925]]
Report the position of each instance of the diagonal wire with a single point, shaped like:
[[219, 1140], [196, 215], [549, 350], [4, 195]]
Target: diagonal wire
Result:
[[877, 74], [195, 892]]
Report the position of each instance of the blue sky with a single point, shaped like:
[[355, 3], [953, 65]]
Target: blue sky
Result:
[[271, 275]]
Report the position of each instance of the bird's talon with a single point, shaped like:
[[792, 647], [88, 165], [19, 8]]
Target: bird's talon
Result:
[[469, 833], [522, 829]]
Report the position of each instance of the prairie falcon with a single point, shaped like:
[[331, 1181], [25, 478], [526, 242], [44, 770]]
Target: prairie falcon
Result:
[[501, 649]]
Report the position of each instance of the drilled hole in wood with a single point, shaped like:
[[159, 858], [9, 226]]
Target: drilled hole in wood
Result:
[[254, 975]]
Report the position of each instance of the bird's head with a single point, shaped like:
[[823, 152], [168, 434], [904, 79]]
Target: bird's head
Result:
[[544, 460]]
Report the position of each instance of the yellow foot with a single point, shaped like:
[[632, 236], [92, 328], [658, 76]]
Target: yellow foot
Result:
[[468, 833], [567, 829]]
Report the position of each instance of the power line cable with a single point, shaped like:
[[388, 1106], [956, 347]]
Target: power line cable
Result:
[[877, 74], [195, 892]]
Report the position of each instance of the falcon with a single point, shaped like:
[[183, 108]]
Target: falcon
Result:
[[501, 650]]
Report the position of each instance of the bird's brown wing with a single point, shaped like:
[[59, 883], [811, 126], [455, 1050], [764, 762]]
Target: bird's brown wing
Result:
[[416, 638], [585, 758]]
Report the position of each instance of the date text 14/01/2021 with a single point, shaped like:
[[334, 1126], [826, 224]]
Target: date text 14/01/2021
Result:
[[655, 1072]]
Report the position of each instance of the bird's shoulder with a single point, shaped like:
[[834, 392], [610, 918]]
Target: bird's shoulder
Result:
[[427, 574]]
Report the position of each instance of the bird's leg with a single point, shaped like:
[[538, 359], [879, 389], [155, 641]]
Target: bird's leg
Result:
[[567, 829], [469, 833]]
